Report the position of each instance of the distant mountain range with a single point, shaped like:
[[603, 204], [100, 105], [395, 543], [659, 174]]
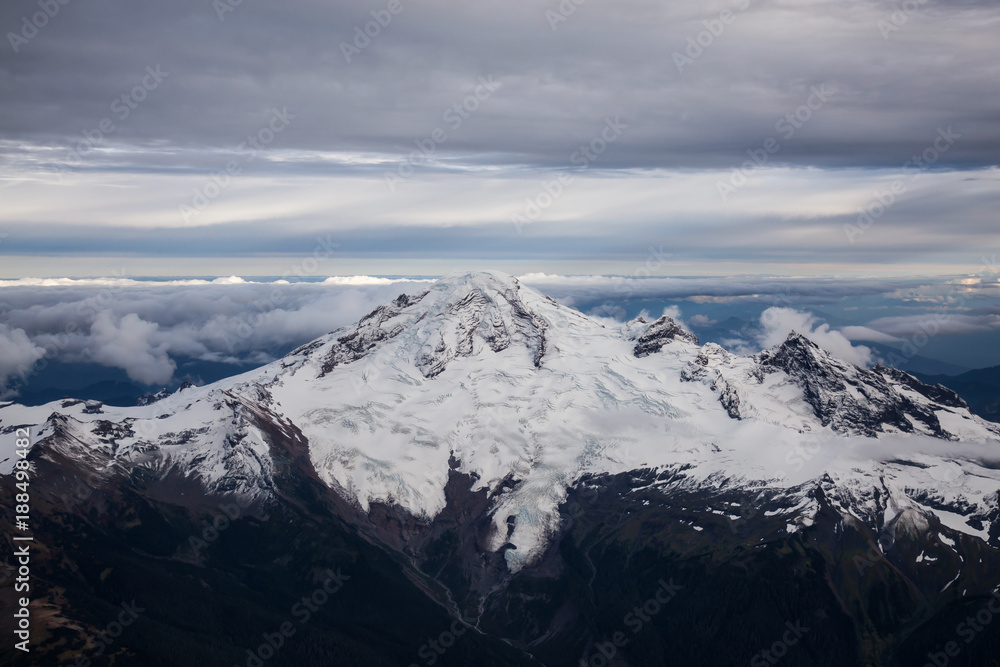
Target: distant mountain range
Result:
[[916, 364], [491, 478], [981, 388]]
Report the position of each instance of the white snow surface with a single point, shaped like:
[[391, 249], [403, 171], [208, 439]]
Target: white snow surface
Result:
[[463, 374]]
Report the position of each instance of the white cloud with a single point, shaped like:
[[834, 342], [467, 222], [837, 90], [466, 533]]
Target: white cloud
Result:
[[702, 321], [778, 323], [867, 333], [933, 324], [369, 280], [17, 355], [673, 312], [129, 344], [145, 327], [606, 311]]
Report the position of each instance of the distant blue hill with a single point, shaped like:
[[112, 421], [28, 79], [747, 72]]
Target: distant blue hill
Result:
[[915, 365], [112, 386], [980, 388]]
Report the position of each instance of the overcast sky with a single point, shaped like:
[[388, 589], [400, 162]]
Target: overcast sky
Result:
[[115, 115]]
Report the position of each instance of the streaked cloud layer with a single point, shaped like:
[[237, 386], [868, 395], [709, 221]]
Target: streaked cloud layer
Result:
[[116, 117]]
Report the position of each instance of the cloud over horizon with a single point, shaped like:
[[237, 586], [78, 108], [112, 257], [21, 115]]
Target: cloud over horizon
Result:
[[145, 327]]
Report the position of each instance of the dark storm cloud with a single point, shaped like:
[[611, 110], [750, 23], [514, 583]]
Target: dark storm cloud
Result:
[[887, 91]]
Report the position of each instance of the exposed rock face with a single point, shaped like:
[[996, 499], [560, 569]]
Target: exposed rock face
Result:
[[937, 393], [376, 327], [149, 399], [490, 315], [484, 311], [658, 334], [700, 369], [850, 399], [846, 398]]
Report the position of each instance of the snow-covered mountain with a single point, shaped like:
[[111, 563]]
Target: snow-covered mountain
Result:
[[507, 464], [482, 376]]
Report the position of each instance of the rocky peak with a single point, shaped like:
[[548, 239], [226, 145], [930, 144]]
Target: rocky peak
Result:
[[798, 354], [377, 326], [461, 315], [478, 311], [661, 332], [937, 393], [149, 399], [850, 399]]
